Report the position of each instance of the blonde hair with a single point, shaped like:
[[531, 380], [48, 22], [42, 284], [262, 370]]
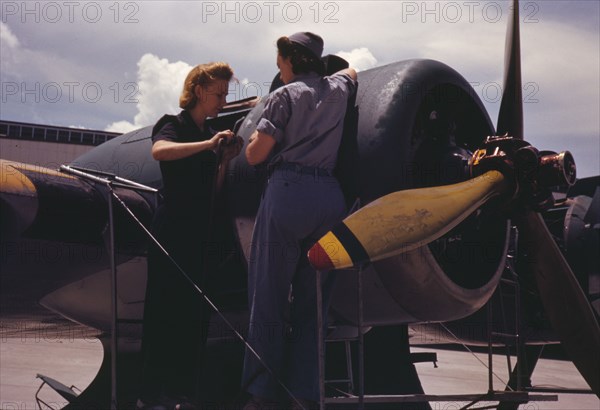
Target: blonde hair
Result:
[[202, 74]]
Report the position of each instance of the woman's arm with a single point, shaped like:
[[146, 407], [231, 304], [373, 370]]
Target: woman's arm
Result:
[[163, 150], [259, 148], [351, 72]]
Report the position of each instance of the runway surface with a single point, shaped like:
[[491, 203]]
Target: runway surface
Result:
[[73, 356]]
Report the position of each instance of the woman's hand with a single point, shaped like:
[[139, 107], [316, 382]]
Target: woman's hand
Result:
[[232, 149], [226, 135]]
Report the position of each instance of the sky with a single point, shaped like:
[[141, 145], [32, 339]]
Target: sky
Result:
[[119, 66]]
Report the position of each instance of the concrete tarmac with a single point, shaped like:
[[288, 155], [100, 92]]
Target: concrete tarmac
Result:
[[73, 358]]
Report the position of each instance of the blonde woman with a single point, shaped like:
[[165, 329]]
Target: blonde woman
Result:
[[175, 316]]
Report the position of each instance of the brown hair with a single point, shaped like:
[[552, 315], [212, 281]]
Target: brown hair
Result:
[[303, 61], [202, 74]]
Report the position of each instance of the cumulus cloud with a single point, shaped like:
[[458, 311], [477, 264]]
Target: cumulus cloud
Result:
[[121, 126], [9, 45], [562, 35], [7, 38], [359, 58], [159, 85]]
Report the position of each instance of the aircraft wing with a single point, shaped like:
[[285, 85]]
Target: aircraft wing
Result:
[[43, 203]]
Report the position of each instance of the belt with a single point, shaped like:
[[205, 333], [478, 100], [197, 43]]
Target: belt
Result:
[[302, 169]]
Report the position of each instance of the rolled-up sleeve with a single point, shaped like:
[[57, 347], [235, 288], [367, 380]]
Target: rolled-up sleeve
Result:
[[345, 79], [276, 115], [165, 129]]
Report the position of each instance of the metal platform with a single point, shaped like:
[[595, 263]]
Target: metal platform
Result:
[[416, 398], [518, 396]]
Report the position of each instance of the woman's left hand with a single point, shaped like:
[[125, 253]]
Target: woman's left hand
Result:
[[232, 148]]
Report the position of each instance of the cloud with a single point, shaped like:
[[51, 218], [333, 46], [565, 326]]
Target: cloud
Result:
[[7, 38], [359, 58], [121, 126], [159, 85], [9, 46], [560, 46]]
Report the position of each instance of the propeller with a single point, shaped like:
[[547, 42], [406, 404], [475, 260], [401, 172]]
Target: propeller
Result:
[[565, 303], [18, 200], [402, 221], [505, 167], [510, 117]]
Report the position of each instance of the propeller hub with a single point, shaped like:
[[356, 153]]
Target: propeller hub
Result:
[[532, 173]]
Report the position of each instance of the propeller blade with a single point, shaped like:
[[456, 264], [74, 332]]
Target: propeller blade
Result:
[[402, 221], [510, 117], [564, 301], [19, 202]]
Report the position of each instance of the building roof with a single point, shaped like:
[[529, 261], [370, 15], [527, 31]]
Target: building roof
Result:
[[50, 133]]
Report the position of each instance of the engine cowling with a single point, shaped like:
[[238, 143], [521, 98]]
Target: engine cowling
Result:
[[418, 121]]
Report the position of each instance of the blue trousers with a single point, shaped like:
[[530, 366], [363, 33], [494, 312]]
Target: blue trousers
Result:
[[297, 209]]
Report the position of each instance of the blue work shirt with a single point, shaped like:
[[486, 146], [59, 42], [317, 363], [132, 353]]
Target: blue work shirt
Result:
[[306, 119]]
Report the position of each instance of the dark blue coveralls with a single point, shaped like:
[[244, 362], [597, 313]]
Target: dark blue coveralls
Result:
[[175, 316], [301, 202]]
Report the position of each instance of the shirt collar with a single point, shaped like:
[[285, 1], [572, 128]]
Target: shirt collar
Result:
[[187, 117], [305, 76]]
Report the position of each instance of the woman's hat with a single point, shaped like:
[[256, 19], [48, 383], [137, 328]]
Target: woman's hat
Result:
[[310, 41]]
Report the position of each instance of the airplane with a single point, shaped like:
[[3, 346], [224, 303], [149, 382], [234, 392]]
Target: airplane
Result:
[[421, 137]]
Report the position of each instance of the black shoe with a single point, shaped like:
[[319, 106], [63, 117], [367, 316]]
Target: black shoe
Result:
[[150, 405], [259, 403], [181, 403], [255, 403], [167, 403]]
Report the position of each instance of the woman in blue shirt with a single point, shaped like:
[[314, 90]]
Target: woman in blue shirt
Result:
[[298, 136]]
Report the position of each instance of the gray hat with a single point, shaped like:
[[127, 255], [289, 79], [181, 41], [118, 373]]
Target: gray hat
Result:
[[310, 41]]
